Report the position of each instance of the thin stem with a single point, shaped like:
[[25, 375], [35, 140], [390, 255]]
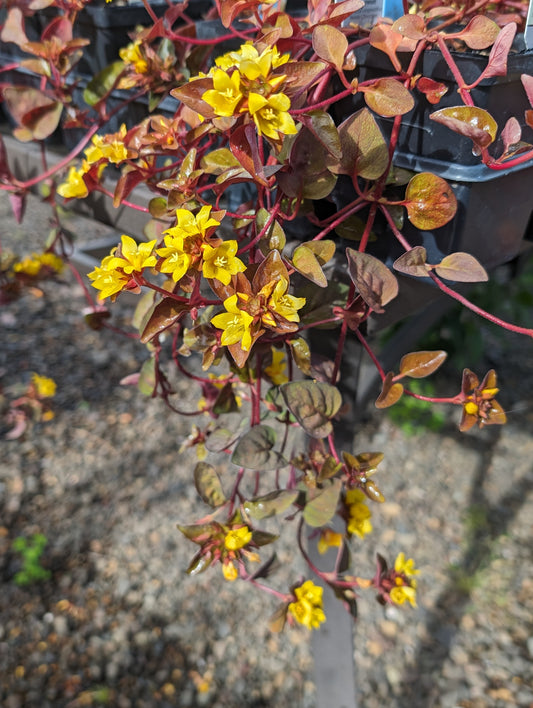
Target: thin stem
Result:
[[371, 354]]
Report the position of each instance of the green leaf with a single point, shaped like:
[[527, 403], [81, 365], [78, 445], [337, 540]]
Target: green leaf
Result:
[[430, 201], [374, 281], [99, 86], [418, 365], [254, 450], [199, 563], [221, 439], [274, 237], [263, 538], [199, 533], [147, 379], [208, 484], [364, 150], [461, 267], [166, 313], [322, 503], [329, 468], [313, 405], [270, 504]]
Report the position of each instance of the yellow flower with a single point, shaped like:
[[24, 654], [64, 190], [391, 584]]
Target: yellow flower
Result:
[[229, 571], [28, 266], [109, 282], [405, 589], [328, 539], [176, 260], [74, 186], [191, 225], [271, 115], [109, 147], [225, 95], [132, 55], [359, 520], [45, 387], [276, 371], [237, 538], [307, 610], [235, 323], [407, 567], [221, 262], [283, 304], [134, 257], [250, 63], [50, 260]]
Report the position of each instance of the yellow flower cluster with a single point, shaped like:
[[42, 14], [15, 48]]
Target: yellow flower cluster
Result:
[[243, 311], [359, 514], [404, 572], [39, 264], [132, 55], [104, 149], [116, 271], [243, 83], [307, 609], [234, 542], [186, 247]]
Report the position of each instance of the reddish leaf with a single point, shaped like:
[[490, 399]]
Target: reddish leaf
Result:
[[191, 95], [243, 144], [387, 40], [433, 90], [18, 205], [461, 267], [313, 404], [410, 26], [165, 314], [299, 75], [480, 32], [497, 64], [511, 135], [374, 281], [13, 28], [390, 392], [323, 128], [306, 263], [364, 150], [418, 365], [413, 262], [60, 27], [470, 121], [208, 484], [388, 97], [342, 10], [330, 44], [126, 184], [430, 201]]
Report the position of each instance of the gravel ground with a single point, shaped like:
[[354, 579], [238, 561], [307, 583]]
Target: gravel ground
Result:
[[120, 624]]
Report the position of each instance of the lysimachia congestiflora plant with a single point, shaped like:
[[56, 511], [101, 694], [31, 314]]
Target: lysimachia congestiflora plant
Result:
[[240, 167]]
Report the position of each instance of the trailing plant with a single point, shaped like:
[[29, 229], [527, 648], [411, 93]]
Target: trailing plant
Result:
[[258, 182]]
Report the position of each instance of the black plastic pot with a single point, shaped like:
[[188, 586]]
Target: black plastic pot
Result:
[[501, 96]]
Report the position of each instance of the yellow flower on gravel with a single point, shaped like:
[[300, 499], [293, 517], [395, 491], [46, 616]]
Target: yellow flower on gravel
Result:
[[28, 266], [235, 323], [221, 262], [407, 567], [109, 282], [45, 387], [405, 590], [229, 571], [225, 95], [176, 260], [50, 260], [328, 539], [134, 257], [74, 186], [237, 538], [271, 115], [359, 520], [277, 371], [284, 304], [307, 610]]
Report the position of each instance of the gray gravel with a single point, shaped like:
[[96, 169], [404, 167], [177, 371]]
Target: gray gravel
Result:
[[120, 624]]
